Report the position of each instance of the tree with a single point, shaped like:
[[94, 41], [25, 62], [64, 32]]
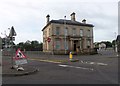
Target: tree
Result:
[[108, 44], [41, 46], [113, 42], [30, 46], [20, 45]]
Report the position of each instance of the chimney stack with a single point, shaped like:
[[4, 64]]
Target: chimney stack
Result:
[[73, 16], [48, 18], [84, 21]]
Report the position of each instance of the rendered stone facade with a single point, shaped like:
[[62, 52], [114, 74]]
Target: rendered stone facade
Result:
[[63, 36]]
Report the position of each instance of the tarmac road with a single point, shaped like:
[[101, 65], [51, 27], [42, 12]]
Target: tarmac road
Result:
[[93, 69]]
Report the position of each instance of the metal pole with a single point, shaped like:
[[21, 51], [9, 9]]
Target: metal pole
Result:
[[65, 32], [11, 52]]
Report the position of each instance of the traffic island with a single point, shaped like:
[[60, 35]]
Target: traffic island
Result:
[[74, 60], [7, 71]]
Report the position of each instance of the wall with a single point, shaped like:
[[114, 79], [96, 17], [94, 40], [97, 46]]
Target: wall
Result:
[[51, 32]]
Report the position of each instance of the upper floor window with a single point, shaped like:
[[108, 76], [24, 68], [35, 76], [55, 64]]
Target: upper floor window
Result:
[[57, 30], [81, 32], [88, 33], [88, 43], [74, 31], [66, 31]]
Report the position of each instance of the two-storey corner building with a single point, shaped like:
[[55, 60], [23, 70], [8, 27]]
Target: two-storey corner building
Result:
[[62, 36]]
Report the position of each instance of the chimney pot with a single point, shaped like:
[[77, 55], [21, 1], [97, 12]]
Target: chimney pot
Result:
[[48, 18], [84, 21], [73, 16]]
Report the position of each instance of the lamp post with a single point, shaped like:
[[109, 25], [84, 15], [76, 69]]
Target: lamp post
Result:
[[65, 32]]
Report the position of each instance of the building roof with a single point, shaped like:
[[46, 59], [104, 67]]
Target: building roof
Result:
[[118, 37], [68, 22]]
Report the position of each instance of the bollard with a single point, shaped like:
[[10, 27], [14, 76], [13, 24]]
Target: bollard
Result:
[[70, 55]]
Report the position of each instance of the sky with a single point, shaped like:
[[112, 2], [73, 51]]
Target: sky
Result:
[[29, 17]]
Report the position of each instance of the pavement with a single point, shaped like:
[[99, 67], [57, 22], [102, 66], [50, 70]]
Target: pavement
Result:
[[7, 71]]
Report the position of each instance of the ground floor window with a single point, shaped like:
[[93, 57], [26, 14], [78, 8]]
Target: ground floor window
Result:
[[57, 44], [88, 43], [65, 45]]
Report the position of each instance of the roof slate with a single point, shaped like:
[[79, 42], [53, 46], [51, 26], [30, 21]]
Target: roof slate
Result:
[[68, 22]]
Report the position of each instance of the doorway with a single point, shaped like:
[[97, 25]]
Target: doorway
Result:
[[75, 45]]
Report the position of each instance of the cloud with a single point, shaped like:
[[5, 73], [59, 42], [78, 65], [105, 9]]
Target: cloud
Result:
[[28, 16]]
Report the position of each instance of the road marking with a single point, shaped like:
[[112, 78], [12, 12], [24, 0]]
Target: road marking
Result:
[[45, 60], [76, 67], [98, 63], [102, 64]]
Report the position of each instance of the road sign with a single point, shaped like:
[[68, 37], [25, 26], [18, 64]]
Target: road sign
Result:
[[12, 38], [20, 61], [20, 58], [19, 55], [12, 32], [48, 39]]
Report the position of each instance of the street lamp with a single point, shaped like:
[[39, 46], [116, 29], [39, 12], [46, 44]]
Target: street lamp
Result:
[[65, 32]]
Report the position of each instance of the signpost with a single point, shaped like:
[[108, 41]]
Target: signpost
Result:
[[12, 38], [48, 39], [19, 57]]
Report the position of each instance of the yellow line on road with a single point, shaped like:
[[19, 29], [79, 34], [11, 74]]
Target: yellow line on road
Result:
[[45, 60]]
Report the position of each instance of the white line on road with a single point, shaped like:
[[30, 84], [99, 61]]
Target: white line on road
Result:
[[76, 67], [98, 63]]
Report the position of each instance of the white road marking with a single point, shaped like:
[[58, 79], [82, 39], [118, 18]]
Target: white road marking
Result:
[[98, 63], [102, 64], [76, 67]]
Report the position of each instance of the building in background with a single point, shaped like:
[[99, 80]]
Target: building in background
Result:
[[0, 43], [118, 44], [63, 36]]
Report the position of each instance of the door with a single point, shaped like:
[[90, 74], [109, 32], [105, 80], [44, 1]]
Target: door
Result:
[[74, 47]]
